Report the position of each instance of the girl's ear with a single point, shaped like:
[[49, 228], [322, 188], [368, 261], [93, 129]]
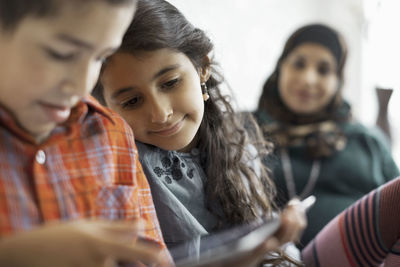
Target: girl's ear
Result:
[[205, 71]]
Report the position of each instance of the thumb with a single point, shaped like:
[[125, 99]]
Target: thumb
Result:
[[121, 231]]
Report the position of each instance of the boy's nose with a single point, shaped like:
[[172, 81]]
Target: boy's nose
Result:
[[83, 80], [68, 88]]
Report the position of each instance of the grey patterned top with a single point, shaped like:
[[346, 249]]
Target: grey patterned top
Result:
[[177, 183]]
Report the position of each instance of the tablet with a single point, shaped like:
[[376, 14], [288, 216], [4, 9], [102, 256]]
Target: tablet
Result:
[[231, 243]]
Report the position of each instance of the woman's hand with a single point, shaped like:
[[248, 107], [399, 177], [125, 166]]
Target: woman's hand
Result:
[[81, 243]]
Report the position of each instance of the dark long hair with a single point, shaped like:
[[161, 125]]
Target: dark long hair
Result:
[[222, 138], [14, 11], [270, 99]]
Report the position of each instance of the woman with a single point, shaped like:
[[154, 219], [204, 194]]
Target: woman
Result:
[[320, 149]]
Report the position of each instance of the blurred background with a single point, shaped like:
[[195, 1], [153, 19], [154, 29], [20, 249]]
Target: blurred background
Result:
[[249, 36]]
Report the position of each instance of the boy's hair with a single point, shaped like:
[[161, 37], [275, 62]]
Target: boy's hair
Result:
[[12, 12], [223, 140]]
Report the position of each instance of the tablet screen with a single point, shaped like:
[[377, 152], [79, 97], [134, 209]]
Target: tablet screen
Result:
[[228, 244]]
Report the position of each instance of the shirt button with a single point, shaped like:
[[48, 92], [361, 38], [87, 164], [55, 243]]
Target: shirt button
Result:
[[40, 157]]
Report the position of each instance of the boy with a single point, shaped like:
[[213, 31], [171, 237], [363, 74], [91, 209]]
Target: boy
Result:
[[64, 158]]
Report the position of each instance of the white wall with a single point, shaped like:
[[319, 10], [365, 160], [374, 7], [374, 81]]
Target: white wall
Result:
[[249, 36], [381, 61]]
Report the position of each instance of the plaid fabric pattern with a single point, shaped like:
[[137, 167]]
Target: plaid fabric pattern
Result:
[[88, 168]]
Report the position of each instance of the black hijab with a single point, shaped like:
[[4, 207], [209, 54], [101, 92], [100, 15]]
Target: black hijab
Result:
[[320, 139]]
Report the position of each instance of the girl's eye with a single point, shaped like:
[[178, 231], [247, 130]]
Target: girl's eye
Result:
[[170, 84], [61, 56], [131, 103]]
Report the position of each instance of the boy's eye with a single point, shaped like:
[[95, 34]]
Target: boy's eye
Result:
[[101, 59], [59, 56], [132, 102], [170, 84]]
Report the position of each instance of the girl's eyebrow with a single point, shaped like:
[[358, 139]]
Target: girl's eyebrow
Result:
[[121, 91], [165, 70], [155, 76]]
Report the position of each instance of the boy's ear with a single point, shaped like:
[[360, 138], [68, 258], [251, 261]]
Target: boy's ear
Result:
[[205, 71]]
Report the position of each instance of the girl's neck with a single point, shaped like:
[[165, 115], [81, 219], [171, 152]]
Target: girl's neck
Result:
[[190, 146]]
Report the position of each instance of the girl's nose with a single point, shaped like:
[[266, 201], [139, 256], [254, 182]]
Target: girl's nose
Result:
[[161, 111]]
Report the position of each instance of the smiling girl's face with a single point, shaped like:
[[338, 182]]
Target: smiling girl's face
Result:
[[158, 93]]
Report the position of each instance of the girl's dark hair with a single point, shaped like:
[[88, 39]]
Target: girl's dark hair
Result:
[[223, 139], [270, 99], [12, 12]]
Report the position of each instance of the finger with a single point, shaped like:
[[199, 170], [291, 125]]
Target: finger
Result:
[[293, 223], [109, 262], [139, 251], [126, 231], [271, 244], [117, 227], [298, 209], [294, 202]]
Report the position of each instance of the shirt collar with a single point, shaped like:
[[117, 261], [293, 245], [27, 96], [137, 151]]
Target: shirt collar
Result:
[[79, 113]]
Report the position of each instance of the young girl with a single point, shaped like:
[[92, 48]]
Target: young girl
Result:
[[202, 165]]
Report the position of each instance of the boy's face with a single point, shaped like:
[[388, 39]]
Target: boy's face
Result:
[[50, 63]]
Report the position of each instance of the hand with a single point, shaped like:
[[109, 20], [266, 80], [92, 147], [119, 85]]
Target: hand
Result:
[[293, 222], [80, 243]]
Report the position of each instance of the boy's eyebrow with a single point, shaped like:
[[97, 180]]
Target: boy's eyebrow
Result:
[[74, 41], [155, 76]]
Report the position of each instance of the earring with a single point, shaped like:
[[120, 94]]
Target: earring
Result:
[[204, 90]]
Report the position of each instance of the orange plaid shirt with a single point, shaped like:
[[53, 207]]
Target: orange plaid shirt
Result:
[[87, 168]]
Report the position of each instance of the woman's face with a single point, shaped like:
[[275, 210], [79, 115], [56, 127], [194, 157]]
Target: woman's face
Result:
[[308, 79]]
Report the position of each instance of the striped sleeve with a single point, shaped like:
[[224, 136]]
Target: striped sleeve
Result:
[[365, 234]]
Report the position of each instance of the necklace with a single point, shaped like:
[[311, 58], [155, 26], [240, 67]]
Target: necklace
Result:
[[288, 173]]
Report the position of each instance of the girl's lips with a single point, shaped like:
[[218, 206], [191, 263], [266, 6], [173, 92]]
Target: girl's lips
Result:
[[55, 113], [169, 131]]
